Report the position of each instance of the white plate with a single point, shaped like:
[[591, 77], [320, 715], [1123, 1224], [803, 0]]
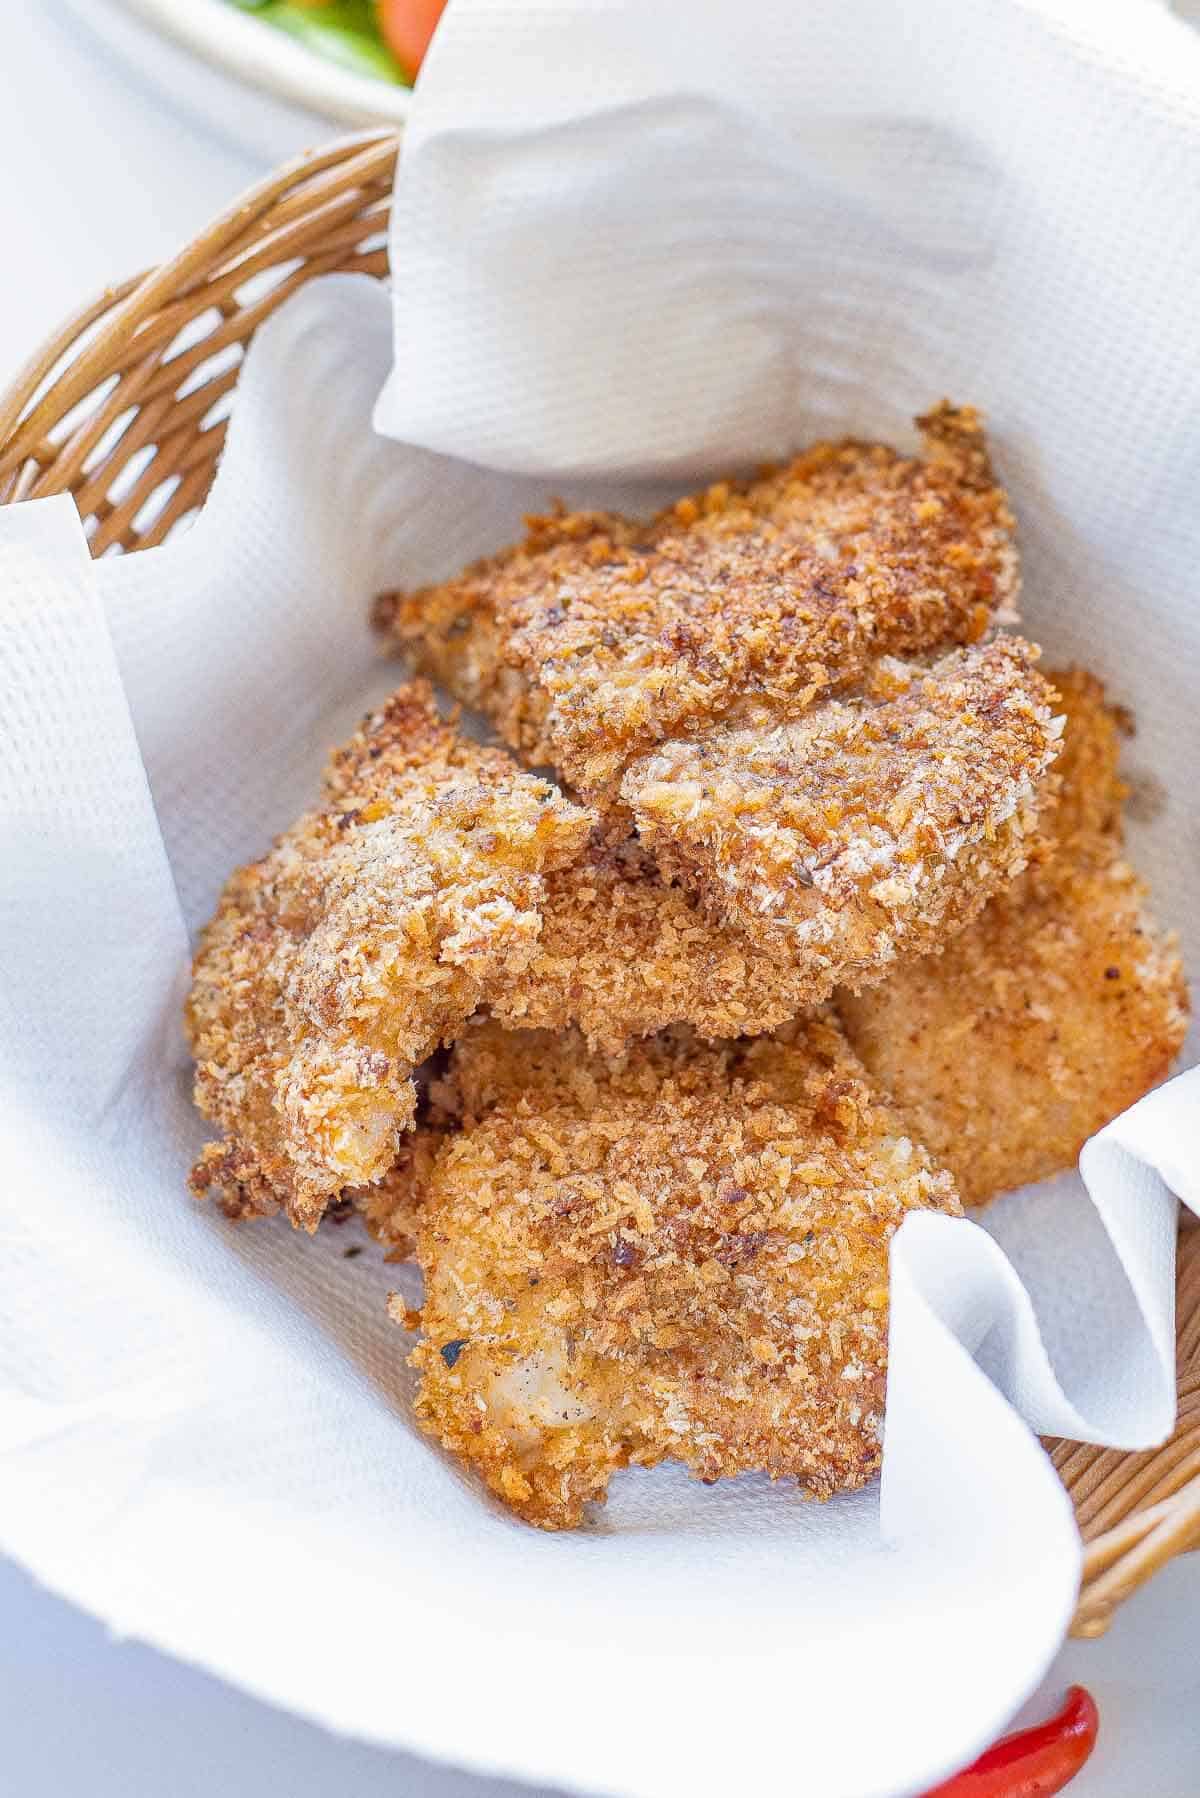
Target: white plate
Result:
[[242, 46]]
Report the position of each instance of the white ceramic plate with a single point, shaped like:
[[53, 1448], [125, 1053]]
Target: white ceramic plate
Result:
[[240, 45]]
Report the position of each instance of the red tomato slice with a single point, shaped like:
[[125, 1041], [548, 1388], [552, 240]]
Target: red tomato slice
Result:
[[407, 27]]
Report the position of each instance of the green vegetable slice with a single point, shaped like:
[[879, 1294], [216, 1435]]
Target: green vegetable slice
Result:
[[343, 31]]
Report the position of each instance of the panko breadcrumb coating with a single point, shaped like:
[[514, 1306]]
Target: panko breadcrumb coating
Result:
[[679, 1253], [389, 1208], [874, 826], [1058, 1008], [360, 942], [623, 954], [598, 637]]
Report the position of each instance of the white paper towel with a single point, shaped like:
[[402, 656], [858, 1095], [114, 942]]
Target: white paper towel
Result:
[[205, 1428]]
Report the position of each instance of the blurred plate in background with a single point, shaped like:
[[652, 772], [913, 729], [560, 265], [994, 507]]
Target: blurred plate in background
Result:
[[265, 88]]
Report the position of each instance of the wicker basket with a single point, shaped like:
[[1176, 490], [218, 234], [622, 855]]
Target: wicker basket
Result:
[[125, 408]]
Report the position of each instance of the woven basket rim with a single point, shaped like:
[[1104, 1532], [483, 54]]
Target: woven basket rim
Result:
[[112, 410]]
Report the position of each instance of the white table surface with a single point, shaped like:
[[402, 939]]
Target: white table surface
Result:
[[106, 173]]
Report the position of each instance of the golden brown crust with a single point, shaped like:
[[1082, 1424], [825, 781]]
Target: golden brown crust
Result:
[[677, 1253], [391, 1206], [598, 637], [873, 827], [1058, 1008], [357, 945], [623, 954]]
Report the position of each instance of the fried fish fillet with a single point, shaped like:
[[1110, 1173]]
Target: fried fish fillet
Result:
[[597, 637], [1058, 1008], [870, 829], [360, 942], [678, 1253]]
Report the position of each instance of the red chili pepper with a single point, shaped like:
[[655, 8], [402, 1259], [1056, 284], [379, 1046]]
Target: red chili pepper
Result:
[[1034, 1762]]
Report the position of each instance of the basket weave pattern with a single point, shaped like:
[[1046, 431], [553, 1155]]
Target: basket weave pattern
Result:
[[126, 408]]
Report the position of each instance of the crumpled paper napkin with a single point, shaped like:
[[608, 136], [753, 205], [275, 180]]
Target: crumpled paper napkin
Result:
[[205, 1428]]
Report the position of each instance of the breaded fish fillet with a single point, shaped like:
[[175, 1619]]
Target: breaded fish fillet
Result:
[[1058, 1008], [680, 1253], [357, 945], [871, 828], [597, 637]]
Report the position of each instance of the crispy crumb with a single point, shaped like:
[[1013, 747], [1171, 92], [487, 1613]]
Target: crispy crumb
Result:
[[873, 827], [390, 1206], [678, 1253], [622, 953], [597, 638], [1058, 1008], [357, 945]]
